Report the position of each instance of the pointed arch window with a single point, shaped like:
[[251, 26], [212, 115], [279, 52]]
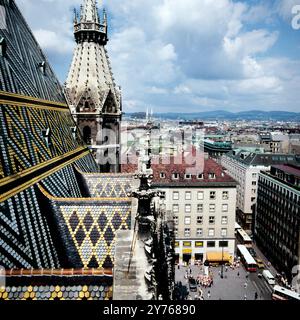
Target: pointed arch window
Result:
[[87, 135]]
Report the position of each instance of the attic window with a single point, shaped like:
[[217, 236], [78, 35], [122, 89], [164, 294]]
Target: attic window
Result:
[[212, 175], [3, 47], [42, 67], [200, 176], [188, 176], [162, 175], [175, 176]]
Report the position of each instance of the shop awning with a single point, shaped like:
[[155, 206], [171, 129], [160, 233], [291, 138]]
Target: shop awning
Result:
[[217, 256]]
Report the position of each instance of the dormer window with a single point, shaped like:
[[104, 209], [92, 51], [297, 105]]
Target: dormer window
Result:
[[74, 132], [211, 175], [46, 135], [175, 176], [200, 176], [188, 176], [3, 47], [42, 67], [162, 175]]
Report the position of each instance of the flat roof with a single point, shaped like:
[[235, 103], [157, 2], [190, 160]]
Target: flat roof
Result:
[[288, 169]]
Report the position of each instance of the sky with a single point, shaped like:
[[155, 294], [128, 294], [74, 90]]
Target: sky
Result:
[[187, 55]]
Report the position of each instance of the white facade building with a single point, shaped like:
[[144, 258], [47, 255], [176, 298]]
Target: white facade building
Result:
[[245, 167], [203, 208]]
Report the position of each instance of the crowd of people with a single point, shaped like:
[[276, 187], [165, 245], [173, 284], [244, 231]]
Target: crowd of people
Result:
[[205, 281]]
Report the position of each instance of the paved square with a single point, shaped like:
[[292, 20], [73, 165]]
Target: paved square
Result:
[[231, 287]]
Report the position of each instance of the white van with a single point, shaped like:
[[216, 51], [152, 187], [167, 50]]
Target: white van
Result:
[[269, 277]]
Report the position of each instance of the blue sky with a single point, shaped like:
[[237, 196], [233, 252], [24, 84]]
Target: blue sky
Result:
[[187, 56]]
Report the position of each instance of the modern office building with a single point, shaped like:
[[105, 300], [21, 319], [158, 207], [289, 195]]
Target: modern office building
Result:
[[277, 218], [244, 167]]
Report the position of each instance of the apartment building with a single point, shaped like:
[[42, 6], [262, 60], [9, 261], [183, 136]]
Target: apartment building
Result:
[[203, 208], [277, 218]]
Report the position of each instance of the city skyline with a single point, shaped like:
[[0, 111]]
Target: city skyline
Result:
[[242, 55]]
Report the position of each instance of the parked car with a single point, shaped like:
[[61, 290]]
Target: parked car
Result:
[[260, 264], [193, 285]]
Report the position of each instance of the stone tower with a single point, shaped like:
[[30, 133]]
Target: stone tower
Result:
[[93, 97]]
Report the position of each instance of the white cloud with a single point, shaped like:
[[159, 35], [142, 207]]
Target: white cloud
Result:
[[183, 55], [53, 42]]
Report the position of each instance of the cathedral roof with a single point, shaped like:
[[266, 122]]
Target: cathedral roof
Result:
[[90, 86], [42, 152]]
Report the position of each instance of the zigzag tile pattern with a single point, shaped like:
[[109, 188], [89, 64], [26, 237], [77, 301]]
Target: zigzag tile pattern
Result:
[[92, 227], [110, 185]]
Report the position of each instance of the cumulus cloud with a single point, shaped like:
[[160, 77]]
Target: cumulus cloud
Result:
[[183, 55]]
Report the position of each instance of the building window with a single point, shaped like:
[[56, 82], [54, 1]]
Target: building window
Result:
[[187, 232], [200, 176], [199, 244], [200, 208], [199, 232], [224, 220], [188, 176], [188, 195], [224, 207], [211, 176], [254, 183], [212, 195], [212, 220], [187, 244], [254, 175], [175, 176], [175, 195], [211, 244], [87, 135], [162, 175], [225, 195], [223, 244], [176, 232], [175, 208], [199, 220], [212, 208], [187, 220], [200, 195], [211, 232], [224, 232], [176, 220], [187, 208]]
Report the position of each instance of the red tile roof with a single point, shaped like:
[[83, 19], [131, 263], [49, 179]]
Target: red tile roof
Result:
[[210, 167]]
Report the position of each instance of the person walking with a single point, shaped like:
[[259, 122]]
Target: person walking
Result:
[[245, 285], [238, 274], [256, 296], [208, 294]]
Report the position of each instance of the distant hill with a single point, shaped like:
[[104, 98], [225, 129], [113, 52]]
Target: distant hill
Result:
[[226, 115]]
